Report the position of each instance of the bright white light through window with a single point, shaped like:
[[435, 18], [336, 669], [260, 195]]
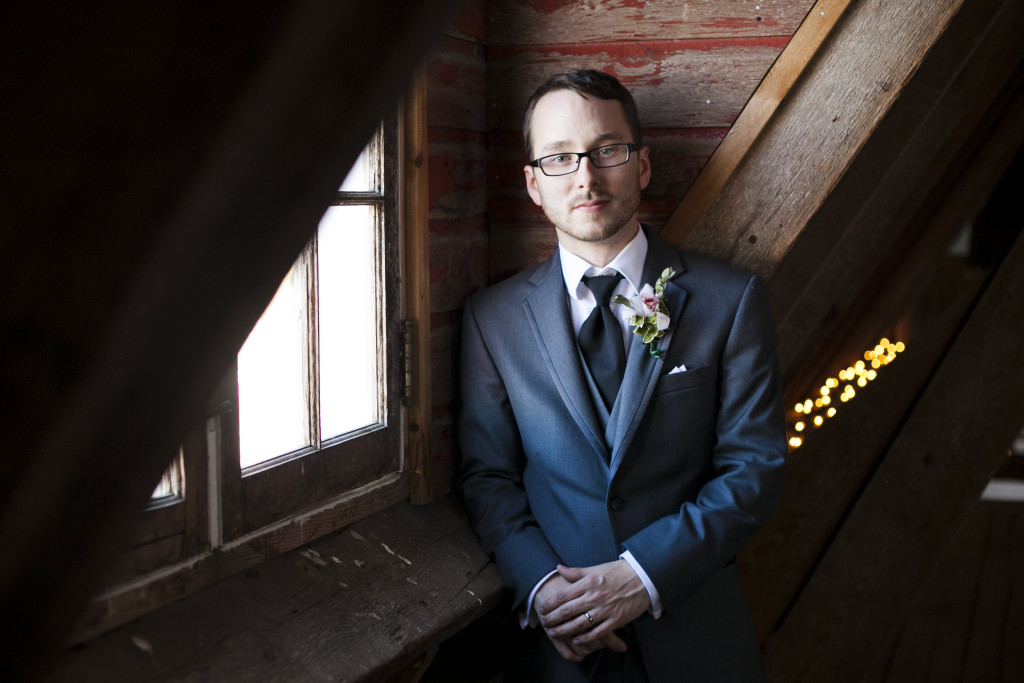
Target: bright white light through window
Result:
[[271, 380], [309, 371]]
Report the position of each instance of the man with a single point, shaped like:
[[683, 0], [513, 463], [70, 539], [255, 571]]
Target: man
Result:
[[614, 475]]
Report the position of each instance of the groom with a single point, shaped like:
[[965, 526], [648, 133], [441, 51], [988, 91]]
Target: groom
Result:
[[614, 475]]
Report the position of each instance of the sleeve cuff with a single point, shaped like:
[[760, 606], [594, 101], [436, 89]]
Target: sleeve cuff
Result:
[[528, 618], [652, 592]]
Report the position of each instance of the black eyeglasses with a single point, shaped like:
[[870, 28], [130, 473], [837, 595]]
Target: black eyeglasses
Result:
[[565, 163]]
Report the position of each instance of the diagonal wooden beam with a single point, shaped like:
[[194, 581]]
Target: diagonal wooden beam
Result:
[[825, 476], [932, 475], [842, 95], [757, 113]]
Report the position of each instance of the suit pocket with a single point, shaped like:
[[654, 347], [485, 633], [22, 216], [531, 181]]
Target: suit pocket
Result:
[[685, 380]]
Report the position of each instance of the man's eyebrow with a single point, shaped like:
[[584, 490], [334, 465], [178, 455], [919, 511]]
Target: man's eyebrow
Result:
[[563, 145]]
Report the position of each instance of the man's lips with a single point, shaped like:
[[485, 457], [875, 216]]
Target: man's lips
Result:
[[591, 205]]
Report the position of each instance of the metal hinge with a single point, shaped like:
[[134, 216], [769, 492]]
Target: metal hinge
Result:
[[407, 340]]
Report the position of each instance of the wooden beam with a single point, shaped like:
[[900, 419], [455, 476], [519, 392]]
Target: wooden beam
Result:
[[416, 230], [846, 267], [933, 474], [759, 110], [841, 97], [827, 473]]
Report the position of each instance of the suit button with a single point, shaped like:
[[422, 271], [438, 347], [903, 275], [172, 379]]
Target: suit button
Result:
[[616, 504]]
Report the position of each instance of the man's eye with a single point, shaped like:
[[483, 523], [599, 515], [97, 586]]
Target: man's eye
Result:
[[559, 158], [606, 151]]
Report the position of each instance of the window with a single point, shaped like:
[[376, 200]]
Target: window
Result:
[[305, 432]]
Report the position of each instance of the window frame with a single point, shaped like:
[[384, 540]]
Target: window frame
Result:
[[215, 539]]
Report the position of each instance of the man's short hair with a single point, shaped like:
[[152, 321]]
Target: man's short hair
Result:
[[585, 82]]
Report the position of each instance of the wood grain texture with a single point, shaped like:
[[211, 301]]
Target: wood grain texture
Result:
[[967, 622], [893, 211], [800, 157], [416, 280], [458, 161], [763, 104], [538, 22], [826, 474], [456, 80], [929, 479], [131, 601], [676, 84], [358, 605]]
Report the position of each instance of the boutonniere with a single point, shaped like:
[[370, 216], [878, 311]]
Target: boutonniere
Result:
[[648, 312]]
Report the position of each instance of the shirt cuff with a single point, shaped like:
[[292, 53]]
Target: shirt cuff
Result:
[[652, 592], [529, 618]]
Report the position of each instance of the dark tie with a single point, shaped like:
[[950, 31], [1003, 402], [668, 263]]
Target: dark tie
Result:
[[601, 339]]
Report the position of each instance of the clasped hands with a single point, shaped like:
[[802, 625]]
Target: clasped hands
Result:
[[580, 608]]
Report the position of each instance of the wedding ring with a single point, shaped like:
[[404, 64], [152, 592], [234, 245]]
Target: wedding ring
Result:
[[587, 615]]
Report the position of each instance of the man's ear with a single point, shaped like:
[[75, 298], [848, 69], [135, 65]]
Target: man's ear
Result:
[[531, 183], [645, 166]]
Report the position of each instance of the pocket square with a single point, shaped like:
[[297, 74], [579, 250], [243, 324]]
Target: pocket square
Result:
[[678, 368]]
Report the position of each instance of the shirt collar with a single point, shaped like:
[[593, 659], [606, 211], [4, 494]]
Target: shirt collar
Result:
[[629, 262]]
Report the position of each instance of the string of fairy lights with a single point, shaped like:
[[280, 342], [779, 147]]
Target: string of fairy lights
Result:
[[812, 412]]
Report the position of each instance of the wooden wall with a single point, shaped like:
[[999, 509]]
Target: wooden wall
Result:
[[457, 134], [691, 66]]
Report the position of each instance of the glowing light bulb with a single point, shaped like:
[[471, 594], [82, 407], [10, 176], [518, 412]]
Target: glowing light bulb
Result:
[[831, 412], [799, 407], [795, 442], [818, 420], [799, 426]]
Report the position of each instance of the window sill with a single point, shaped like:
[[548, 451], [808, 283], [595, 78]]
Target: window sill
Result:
[[361, 604]]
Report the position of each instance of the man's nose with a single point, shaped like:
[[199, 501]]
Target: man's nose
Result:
[[585, 174]]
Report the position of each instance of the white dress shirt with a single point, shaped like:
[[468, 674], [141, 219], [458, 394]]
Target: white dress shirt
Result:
[[581, 301]]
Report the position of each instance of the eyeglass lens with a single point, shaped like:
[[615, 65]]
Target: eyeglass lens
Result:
[[602, 157]]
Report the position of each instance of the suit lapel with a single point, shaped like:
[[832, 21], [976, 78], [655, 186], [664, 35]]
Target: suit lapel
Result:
[[558, 348], [643, 369]]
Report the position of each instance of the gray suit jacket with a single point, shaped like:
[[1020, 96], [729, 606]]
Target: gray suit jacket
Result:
[[687, 468]]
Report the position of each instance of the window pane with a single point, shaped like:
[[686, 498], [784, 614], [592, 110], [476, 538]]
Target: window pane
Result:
[[349, 320], [360, 177], [271, 403], [172, 484]]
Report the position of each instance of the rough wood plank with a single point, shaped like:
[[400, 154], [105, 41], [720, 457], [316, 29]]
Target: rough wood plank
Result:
[[826, 474], [872, 229], [984, 655], [519, 22], [797, 161], [930, 478], [358, 605], [458, 173], [680, 84], [456, 80], [755, 116], [415, 207], [130, 601]]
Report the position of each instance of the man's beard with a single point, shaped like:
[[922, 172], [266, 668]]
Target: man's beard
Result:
[[610, 224]]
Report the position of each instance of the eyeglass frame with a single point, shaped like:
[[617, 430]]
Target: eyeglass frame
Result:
[[580, 156]]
